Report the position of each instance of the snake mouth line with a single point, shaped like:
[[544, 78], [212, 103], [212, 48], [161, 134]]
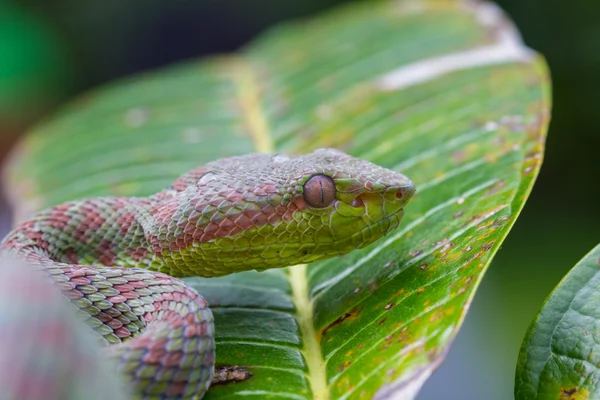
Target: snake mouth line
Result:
[[393, 219]]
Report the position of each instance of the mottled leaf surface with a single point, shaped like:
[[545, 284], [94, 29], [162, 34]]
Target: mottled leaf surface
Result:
[[443, 92], [560, 356]]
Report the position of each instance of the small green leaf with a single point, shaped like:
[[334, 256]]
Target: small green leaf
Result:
[[560, 355], [441, 91]]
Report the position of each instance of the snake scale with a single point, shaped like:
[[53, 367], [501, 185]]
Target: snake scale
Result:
[[117, 259]]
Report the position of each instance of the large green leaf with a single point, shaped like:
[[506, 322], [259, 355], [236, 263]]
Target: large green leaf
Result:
[[560, 356], [442, 91]]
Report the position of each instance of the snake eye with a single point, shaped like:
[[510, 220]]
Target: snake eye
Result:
[[319, 191]]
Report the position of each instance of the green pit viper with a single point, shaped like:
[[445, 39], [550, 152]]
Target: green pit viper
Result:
[[116, 258]]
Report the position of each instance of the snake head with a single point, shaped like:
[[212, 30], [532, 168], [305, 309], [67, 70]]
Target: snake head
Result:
[[346, 203], [262, 211]]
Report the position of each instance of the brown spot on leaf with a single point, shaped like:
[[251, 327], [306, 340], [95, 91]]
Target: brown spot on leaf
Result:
[[422, 267], [388, 306], [373, 287], [447, 247], [352, 314], [499, 222], [567, 392], [436, 316], [573, 393], [441, 243], [229, 374], [495, 188], [345, 365], [488, 246], [531, 156], [415, 253], [459, 214], [474, 256]]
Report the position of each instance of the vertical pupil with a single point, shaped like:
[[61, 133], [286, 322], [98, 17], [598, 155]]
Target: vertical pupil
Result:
[[322, 191], [319, 191]]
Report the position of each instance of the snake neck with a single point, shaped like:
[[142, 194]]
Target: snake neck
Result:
[[104, 231]]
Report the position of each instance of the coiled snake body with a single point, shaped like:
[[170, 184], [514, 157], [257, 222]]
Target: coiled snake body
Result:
[[114, 258]]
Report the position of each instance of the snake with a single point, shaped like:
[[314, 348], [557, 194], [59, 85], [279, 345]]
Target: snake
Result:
[[118, 260]]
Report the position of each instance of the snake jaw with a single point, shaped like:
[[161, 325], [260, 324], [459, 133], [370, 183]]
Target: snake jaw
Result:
[[370, 211]]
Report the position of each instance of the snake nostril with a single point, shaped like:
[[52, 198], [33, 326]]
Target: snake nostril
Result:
[[405, 192]]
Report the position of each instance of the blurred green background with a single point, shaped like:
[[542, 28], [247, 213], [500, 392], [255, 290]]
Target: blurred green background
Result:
[[51, 50]]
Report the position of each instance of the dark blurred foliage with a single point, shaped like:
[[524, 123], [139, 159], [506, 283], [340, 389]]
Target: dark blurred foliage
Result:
[[100, 41], [112, 38], [33, 70]]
